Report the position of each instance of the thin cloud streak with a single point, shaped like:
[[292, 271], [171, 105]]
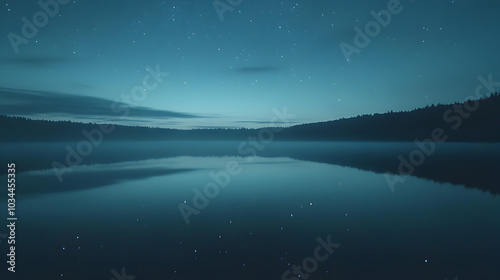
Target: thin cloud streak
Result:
[[35, 61], [257, 69], [18, 102]]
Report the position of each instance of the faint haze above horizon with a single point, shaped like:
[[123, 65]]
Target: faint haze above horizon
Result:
[[183, 64]]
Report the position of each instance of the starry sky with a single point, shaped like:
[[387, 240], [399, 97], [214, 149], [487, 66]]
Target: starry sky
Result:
[[229, 63]]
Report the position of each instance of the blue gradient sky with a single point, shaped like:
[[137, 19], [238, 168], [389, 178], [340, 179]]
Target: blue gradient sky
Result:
[[233, 72]]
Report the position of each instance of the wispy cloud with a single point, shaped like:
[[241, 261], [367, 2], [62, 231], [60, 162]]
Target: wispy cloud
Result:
[[17, 102], [257, 69], [78, 85], [268, 123], [35, 61]]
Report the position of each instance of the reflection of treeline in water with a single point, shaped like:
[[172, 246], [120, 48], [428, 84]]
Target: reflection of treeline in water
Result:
[[473, 121]]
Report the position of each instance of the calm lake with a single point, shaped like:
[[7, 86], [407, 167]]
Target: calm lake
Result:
[[197, 210]]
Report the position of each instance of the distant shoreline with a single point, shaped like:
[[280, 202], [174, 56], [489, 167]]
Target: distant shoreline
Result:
[[482, 125]]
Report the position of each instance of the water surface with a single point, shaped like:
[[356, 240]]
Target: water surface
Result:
[[124, 212]]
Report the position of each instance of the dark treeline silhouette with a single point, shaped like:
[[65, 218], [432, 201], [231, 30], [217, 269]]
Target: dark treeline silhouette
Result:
[[481, 124], [20, 129]]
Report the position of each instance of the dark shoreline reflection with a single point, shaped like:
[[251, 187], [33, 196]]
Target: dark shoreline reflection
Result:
[[473, 165], [469, 164], [266, 219], [89, 177]]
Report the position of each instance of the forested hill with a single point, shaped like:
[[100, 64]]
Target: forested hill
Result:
[[461, 122], [471, 122]]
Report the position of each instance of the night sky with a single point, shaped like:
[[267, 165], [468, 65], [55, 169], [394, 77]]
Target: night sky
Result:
[[232, 69]]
